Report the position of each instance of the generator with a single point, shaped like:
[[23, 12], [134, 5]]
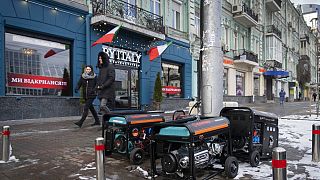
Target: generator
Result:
[[193, 145], [254, 133], [128, 133]]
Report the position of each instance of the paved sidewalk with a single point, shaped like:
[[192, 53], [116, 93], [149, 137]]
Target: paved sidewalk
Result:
[[54, 148]]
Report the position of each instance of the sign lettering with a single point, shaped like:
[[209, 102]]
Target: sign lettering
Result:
[[35, 81], [123, 57]]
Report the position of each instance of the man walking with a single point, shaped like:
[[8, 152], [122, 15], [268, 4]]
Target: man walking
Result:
[[105, 83], [282, 95], [314, 95]]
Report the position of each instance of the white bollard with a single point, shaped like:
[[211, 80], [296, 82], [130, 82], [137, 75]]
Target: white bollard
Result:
[[99, 149], [279, 163], [5, 143], [316, 142]]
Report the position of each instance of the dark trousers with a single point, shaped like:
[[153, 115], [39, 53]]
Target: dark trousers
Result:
[[88, 105], [106, 104]]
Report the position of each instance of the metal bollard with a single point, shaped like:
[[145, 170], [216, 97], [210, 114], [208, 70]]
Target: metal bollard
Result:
[[316, 142], [99, 149], [5, 143], [279, 163]]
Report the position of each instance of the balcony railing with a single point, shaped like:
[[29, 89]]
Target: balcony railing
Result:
[[305, 37], [278, 2], [249, 11], [128, 12], [243, 54], [273, 29]]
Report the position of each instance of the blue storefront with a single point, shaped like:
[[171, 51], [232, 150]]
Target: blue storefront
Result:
[[135, 77], [44, 45], [35, 82]]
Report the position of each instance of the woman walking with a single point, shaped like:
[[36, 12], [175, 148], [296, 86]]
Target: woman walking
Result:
[[88, 82]]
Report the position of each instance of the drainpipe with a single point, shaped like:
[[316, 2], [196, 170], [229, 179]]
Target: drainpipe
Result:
[[88, 37]]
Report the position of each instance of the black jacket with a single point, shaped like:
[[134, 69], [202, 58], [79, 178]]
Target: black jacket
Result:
[[106, 80], [88, 84]]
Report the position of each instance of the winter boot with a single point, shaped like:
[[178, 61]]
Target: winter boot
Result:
[[79, 123]]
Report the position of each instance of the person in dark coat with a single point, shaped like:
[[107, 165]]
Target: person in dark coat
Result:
[[314, 95], [105, 83], [88, 81], [282, 95]]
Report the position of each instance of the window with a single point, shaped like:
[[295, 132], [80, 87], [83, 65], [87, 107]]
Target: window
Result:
[[176, 15], [155, 6], [130, 10], [225, 81], [256, 82], [197, 21], [226, 35], [235, 40], [242, 42], [240, 83], [36, 66], [274, 49], [171, 80]]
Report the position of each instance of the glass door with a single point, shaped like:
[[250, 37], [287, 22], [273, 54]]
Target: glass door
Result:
[[127, 88]]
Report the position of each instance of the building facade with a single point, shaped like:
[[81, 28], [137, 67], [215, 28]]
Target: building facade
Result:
[[263, 43], [145, 24], [33, 81], [45, 45]]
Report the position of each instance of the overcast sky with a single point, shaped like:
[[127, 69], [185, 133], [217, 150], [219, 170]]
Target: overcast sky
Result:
[[306, 1]]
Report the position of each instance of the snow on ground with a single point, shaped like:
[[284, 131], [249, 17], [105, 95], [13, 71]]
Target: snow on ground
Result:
[[313, 117], [294, 134], [11, 158]]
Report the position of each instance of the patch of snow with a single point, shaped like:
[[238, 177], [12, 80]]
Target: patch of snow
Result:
[[292, 133], [11, 159], [74, 175], [89, 166]]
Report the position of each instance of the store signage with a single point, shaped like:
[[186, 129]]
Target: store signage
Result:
[[123, 57], [171, 90], [33, 81]]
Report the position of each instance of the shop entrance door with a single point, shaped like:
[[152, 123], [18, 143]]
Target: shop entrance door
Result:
[[127, 92]]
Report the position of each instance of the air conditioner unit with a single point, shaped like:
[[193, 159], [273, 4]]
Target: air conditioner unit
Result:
[[236, 9], [225, 48]]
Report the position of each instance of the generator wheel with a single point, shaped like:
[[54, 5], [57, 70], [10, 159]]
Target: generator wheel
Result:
[[231, 167], [137, 156], [169, 163], [254, 158]]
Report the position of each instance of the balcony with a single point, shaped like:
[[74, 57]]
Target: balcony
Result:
[[130, 16], [245, 15], [246, 57], [180, 35], [272, 29], [273, 5], [273, 65], [305, 37]]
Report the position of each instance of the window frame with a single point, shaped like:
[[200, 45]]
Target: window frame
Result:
[[46, 37]]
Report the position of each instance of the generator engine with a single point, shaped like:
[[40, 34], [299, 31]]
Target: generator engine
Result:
[[205, 154]]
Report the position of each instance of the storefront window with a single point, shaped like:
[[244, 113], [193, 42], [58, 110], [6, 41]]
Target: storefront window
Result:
[[36, 67], [171, 80], [256, 84], [240, 84], [225, 81]]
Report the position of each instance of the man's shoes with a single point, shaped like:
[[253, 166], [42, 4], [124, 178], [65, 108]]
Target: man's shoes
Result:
[[78, 124], [95, 124]]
